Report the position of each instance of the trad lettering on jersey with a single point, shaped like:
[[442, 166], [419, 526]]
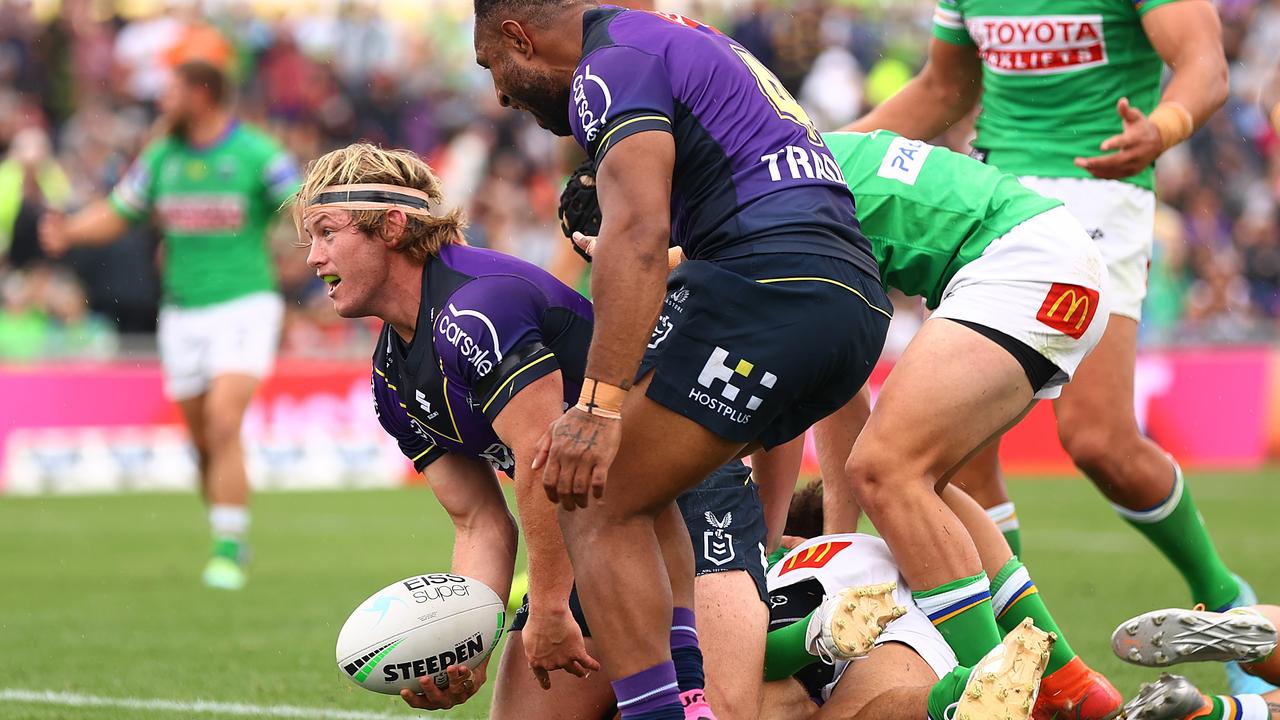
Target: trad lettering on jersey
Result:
[[796, 163], [1039, 45]]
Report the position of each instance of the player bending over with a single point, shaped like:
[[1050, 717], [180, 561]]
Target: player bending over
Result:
[[1245, 635], [1014, 284], [697, 144], [479, 352], [1073, 103]]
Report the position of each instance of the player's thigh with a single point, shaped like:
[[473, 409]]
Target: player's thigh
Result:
[[518, 696], [950, 392], [888, 666], [225, 404], [662, 454], [786, 699], [1101, 393], [732, 624], [193, 415]]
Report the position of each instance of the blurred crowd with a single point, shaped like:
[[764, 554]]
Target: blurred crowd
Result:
[[78, 86]]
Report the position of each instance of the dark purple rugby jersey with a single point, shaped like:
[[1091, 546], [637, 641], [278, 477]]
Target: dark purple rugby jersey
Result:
[[489, 325], [752, 174]]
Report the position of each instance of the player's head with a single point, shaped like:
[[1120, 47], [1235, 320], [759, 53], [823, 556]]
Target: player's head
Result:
[[524, 46], [366, 212], [804, 518], [196, 89]]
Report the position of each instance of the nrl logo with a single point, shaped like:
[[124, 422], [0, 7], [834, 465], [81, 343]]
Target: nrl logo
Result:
[[717, 545]]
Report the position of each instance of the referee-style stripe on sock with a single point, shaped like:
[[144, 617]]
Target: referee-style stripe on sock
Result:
[[685, 652], [1178, 532], [961, 610], [1015, 597], [651, 694], [1006, 519]]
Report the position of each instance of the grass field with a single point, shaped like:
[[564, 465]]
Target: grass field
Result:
[[100, 596]]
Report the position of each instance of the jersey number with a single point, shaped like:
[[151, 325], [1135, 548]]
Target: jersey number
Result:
[[777, 95]]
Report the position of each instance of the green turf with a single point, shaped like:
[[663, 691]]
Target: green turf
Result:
[[101, 595]]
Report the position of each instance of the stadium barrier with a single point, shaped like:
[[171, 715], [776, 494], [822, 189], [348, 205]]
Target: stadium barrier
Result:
[[80, 428]]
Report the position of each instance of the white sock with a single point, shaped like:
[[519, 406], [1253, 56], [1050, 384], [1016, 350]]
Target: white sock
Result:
[[1004, 516], [229, 521], [1245, 707]]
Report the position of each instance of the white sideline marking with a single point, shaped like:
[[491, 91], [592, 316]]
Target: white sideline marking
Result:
[[51, 697]]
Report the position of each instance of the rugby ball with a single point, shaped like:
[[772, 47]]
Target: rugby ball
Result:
[[418, 627]]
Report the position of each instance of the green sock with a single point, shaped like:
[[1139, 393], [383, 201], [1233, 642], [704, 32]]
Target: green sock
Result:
[[947, 692], [961, 610], [1015, 597], [1178, 532], [228, 548], [1006, 518], [785, 652]]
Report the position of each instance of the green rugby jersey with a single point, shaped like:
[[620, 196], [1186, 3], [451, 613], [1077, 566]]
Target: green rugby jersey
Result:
[[1052, 72], [927, 211], [213, 205]]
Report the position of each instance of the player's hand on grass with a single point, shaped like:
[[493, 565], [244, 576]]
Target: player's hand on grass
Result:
[[463, 683], [575, 454], [1136, 147], [53, 234], [553, 641]]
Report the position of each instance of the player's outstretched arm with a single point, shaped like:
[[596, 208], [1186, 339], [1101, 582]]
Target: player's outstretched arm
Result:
[[97, 224], [1188, 37], [552, 640], [484, 548], [627, 282], [944, 92]]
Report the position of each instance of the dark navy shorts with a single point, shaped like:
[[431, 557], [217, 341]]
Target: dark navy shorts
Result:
[[726, 525], [762, 347]]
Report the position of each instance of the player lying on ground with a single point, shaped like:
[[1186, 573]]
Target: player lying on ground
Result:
[[1013, 281], [1160, 638], [1072, 102], [478, 352], [699, 146], [909, 674], [213, 185]]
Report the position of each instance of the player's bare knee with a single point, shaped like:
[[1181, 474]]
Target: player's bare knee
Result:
[[221, 432], [880, 482], [1093, 448]]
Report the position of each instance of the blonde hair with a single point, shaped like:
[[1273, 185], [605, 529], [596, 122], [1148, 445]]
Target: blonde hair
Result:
[[363, 163]]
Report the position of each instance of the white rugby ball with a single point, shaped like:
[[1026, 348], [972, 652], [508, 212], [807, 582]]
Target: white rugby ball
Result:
[[418, 627]]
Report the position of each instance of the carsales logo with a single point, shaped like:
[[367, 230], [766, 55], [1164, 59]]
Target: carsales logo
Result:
[[592, 98], [1039, 45]]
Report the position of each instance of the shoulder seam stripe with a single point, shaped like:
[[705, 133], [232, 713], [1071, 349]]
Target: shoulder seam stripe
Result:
[[511, 379]]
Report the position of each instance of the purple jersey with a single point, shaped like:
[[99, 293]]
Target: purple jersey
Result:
[[489, 325], [752, 174]]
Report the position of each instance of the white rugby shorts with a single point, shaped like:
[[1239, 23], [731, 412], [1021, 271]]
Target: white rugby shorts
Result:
[[237, 337], [1120, 217], [1043, 284], [853, 560]]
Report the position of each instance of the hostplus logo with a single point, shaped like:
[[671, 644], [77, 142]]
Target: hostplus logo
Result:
[[718, 372]]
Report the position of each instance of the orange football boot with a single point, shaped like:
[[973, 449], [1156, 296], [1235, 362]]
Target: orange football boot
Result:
[[1076, 691]]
